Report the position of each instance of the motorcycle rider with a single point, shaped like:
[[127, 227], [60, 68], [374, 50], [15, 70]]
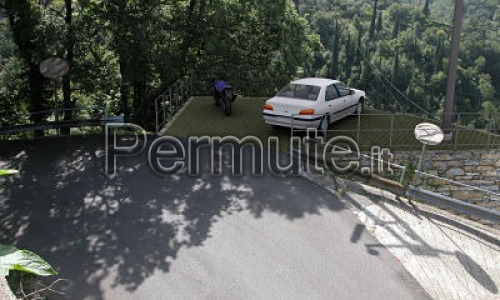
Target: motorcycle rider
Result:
[[219, 87]]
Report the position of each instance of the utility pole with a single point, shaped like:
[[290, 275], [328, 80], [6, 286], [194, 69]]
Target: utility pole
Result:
[[449, 105]]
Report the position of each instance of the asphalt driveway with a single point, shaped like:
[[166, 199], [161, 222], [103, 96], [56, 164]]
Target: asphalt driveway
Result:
[[140, 236]]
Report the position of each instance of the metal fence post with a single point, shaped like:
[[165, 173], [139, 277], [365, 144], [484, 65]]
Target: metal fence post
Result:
[[185, 88], [173, 101], [359, 126], [156, 116], [489, 131], [56, 116], [188, 89], [419, 167], [179, 97], [164, 108], [457, 131], [392, 130], [191, 92]]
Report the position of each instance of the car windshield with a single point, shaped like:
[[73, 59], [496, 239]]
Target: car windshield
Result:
[[300, 91]]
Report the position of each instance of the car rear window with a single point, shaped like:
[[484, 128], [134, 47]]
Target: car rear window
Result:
[[300, 91]]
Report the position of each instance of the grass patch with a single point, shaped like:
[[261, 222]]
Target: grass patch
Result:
[[203, 118]]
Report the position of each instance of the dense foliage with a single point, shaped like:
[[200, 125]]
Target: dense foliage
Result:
[[398, 51], [124, 53]]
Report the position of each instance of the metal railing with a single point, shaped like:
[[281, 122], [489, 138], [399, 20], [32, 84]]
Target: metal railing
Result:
[[396, 130], [454, 204], [368, 163], [451, 188], [172, 100], [53, 119], [423, 190], [56, 114]]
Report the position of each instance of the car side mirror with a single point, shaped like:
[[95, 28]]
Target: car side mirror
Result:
[[353, 92]]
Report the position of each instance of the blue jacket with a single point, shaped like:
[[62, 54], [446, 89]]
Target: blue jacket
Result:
[[220, 86]]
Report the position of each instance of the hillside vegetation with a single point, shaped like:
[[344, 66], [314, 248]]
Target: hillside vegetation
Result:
[[398, 51], [123, 54]]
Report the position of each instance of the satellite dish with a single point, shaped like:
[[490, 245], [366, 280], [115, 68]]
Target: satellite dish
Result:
[[54, 68], [429, 134]]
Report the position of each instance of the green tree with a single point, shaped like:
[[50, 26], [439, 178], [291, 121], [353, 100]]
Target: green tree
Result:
[[373, 20], [426, 10], [24, 17]]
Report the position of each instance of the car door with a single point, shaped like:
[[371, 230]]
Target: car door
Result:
[[333, 105], [345, 99]]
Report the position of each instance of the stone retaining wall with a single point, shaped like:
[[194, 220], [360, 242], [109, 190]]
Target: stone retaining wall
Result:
[[476, 168]]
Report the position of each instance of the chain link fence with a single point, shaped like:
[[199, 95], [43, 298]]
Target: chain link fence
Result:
[[396, 130]]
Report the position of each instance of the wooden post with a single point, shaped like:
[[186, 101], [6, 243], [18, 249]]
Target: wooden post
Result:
[[452, 68]]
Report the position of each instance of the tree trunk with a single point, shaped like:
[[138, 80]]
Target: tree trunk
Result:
[[23, 23], [192, 5], [123, 57], [357, 56], [124, 90], [437, 56], [349, 56], [334, 69], [37, 92], [374, 18], [395, 68], [140, 116], [70, 45], [380, 23], [449, 102], [427, 10], [397, 25]]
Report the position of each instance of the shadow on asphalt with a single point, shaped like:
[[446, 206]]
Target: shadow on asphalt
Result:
[[63, 206]]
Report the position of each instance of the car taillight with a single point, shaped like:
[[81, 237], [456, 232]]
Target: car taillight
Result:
[[307, 112], [268, 107]]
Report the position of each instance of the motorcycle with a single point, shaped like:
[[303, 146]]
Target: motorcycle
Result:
[[224, 99]]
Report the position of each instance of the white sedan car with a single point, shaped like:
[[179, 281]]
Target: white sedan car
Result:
[[312, 103]]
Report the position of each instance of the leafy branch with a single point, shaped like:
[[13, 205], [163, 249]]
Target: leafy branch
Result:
[[25, 261]]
